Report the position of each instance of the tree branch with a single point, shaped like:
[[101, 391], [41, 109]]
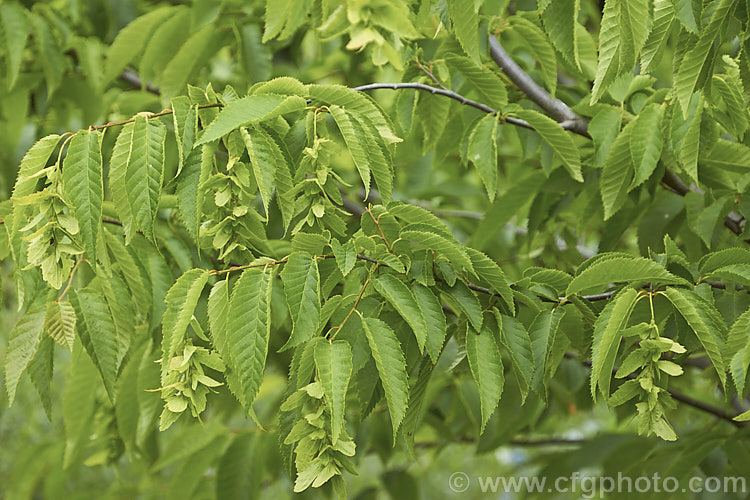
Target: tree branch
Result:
[[570, 120], [134, 80], [560, 111]]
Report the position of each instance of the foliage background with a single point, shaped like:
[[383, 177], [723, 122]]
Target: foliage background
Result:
[[540, 218]]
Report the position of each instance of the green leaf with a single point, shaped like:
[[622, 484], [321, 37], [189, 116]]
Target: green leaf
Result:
[[557, 138], [560, 19], [334, 363], [536, 41], [490, 272], [463, 13], [695, 59], [40, 372], [22, 345], [705, 321], [684, 12], [346, 256], [138, 283], [623, 33], [250, 109], [542, 333], [389, 360], [660, 30], [144, 174], [727, 155], [486, 366], [182, 64], [84, 187], [131, 40], [354, 137], [15, 31], [60, 323], [98, 334], [263, 162], [729, 256], [32, 163], [734, 273], [488, 85], [434, 319], [607, 334], [78, 404], [398, 294], [181, 301], [646, 142], [196, 169], [483, 152], [622, 270], [248, 331], [517, 342], [358, 102], [467, 302], [617, 174], [301, 281], [452, 250]]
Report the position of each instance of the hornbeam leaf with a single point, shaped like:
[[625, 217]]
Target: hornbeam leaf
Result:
[[346, 255], [40, 372], [482, 152], [463, 13], [490, 272], [434, 318], [351, 100], [467, 302], [218, 309], [646, 142], [397, 293], [489, 86], [694, 60], [131, 40], [737, 351], [607, 334], [250, 109], [705, 321], [517, 342], [181, 301], [196, 169], [727, 155], [618, 173], [248, 331], [191, 55], [486, 366], [22, 345], [622, 270], [98, 334], [15, 31], [356, 142], [145, 172], [301, 281], [734, 273], [84, 188], [451, 249], [542, 333], [60, 323], [560, 142], [662, 26], [78, 404], [389, 360], [263, 162], [118, 171], [536, 41], [560, 19], [334, 363]]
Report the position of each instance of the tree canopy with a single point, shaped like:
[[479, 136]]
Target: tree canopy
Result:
[[350, 247]]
